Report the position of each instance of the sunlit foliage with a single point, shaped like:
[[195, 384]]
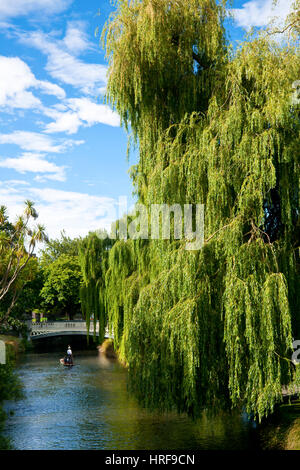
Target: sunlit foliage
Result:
[[93, 260], [214, 327]]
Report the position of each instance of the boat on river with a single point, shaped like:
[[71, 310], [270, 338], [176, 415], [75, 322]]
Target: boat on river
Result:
[[65, 362]]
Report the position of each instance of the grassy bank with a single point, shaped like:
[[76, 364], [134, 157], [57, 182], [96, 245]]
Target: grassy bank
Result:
[[107, 349], [282, 430]]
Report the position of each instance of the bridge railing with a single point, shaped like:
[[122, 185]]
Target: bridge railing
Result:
[[62, 327], [60, 324], [56, 327]]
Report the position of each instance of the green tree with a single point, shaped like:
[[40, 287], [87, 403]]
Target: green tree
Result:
[[93, 260], [17, 264], [213, 327], [62, 279], [24, 295], [59, 246]]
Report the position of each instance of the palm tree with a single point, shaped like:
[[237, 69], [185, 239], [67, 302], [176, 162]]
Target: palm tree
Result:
[[17, 244]]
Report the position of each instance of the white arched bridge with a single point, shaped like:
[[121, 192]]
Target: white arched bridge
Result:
[[61, 328]]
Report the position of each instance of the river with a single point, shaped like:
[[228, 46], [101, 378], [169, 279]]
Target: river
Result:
[[88, 407]]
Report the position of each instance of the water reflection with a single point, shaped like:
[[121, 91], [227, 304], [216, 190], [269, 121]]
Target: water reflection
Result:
[[88, 407]]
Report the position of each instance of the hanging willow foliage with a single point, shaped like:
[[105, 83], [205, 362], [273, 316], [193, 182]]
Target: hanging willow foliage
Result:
[[212, 327], [93, 259]]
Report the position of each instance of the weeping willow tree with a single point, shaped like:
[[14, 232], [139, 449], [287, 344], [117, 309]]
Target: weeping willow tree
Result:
[[209, 328], [93, 259]]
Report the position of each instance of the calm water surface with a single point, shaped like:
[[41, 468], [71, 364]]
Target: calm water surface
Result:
[[88, 407]]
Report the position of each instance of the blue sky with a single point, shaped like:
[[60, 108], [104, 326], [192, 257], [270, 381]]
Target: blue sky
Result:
[[59, 144]]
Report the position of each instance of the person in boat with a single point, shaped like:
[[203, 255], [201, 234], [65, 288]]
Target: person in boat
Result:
[[69, 355]]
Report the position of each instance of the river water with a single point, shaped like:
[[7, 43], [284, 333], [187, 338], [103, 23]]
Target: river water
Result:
[[88, 407]]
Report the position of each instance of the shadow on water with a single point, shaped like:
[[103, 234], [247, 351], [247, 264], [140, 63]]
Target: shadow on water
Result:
[[60, 344], [88, 407]]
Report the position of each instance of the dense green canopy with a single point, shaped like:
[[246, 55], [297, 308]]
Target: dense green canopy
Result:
[[212, 327], [62, 281]]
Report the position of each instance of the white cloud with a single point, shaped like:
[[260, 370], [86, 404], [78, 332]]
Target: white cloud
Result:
[[51, 89], [35, 142], [76, 39], [78, 112], [64, 122], [12, 197], [62, 63], [260, 13], [16, 79], [17, 182], [35, 163], [77, 213], [14, 8]]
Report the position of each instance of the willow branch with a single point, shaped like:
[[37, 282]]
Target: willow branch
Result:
[[219, 230], [289, 26]]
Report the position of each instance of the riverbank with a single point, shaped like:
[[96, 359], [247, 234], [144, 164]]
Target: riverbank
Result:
[[108, 350], [281, 431], [10, 387], [16, 344]]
